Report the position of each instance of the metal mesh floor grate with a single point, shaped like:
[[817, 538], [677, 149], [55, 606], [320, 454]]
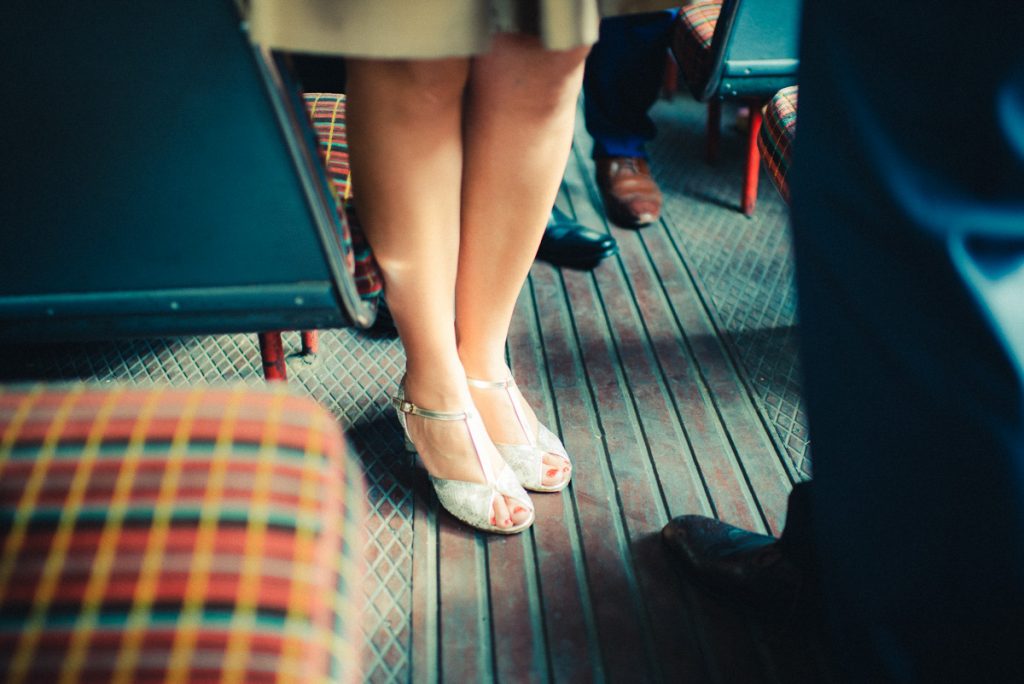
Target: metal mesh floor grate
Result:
[[744, 265]]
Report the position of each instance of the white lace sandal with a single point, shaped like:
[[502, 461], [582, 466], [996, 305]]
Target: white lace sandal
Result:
[[470, 502], [527, 460]]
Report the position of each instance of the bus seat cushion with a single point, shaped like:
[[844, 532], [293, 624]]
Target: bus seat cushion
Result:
[[327, 114], [776, 137], [691, 41], [189, 533]]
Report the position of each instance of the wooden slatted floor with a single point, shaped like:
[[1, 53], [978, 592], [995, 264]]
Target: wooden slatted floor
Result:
[[638, 367], [627, 364]]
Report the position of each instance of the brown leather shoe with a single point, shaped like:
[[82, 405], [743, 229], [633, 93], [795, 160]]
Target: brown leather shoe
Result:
[[740, 566], [631, 197]]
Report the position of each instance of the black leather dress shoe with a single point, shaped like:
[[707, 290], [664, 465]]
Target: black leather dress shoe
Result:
[[740, 566], [571, 245]]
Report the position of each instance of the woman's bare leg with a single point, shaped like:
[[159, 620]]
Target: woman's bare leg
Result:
[[519, 117], [405, 135]]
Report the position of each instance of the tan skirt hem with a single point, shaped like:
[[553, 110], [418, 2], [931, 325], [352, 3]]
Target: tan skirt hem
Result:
[[425, 29]]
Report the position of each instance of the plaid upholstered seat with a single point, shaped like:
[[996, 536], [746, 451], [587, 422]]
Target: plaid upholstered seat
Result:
[[737, 50], [327, 112], [691, 42], [776, 139], [176, 535]]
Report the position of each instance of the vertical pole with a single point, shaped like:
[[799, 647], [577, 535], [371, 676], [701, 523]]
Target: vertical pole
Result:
[[714, 131], [272, 353], [753, 167], [310, 342]]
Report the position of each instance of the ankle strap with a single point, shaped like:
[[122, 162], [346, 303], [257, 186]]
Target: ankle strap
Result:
[[490, 384], [412, 409]]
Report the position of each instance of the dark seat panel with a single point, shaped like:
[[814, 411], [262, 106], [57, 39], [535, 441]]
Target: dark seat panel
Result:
[[153, 168]]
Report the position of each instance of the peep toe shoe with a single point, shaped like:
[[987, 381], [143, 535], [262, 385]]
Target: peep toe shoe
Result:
[[470, 502], [527, 460]]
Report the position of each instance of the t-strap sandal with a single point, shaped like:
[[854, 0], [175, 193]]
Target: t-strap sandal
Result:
[[470, 502], [527, 460]]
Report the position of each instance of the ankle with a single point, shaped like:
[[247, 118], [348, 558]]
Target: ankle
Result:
[[485, 367], [438, 388]]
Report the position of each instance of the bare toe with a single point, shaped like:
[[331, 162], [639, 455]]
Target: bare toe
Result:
[[499, 512], [556, 470], [519, 513]]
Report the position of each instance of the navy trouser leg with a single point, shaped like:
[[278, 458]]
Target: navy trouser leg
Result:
[[623, 76], [797, 539], [908, 216]]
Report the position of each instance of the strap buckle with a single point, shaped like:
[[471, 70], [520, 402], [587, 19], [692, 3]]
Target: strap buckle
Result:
[[404, 406]]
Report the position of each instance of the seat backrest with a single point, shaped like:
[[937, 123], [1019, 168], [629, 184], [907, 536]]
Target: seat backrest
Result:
[[160, 176], [754, 51]]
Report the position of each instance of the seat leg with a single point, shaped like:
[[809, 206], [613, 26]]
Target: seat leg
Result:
[[753, 167], [272, 353], [714, 132], [310, 342]]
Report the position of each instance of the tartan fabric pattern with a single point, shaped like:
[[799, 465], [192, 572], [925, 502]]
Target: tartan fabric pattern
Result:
[[691, 41], [776, 138], [157, 534], [327, 114]]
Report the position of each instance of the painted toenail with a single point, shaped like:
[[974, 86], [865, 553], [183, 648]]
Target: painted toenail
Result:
[[552, 472]]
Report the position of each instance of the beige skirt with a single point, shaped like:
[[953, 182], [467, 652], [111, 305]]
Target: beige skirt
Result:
[[428, 28]]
